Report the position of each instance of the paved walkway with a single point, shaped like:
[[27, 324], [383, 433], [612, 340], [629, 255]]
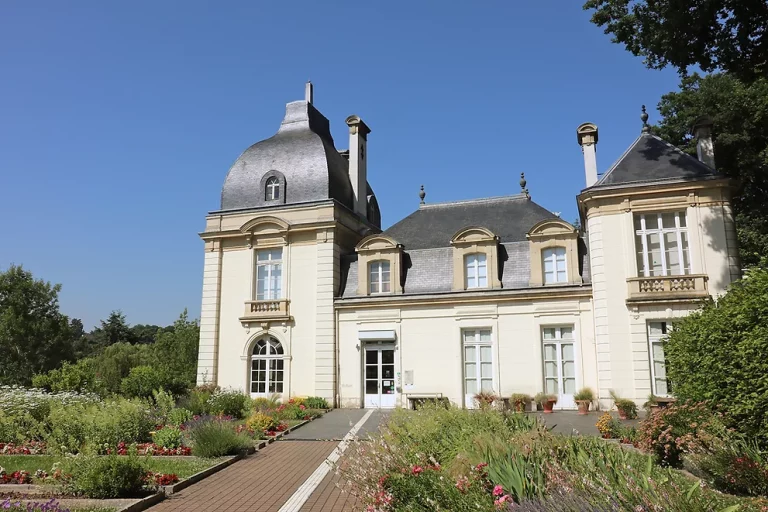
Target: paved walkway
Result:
[[290, 475], [571, 422]]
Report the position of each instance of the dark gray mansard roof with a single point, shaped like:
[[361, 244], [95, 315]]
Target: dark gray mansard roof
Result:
[[303, 152], [434, 225], [651, 159]]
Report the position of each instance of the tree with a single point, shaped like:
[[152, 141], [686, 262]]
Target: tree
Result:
[[175, 353], [727, 35], [34, 335], [113, 330], [718, 355], [740, 135]]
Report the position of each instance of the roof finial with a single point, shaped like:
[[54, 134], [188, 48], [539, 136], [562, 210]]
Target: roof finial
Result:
[[309, 92], [644, 119], [523, 183], [422, 195]]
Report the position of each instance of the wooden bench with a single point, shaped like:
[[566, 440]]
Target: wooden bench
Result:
[[415, 400]]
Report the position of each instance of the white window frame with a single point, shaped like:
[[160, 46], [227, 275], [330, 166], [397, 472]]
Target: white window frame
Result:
[[647, 221], [272, 189], [273, 288], [274, 352], [480, 262], [476, 342], [376, 268], [558, 340], [551, 253], [660, 339]]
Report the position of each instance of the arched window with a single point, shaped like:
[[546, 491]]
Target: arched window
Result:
[[267, 367], [554, 265], [272, 189], [379, 281], [475, 271]]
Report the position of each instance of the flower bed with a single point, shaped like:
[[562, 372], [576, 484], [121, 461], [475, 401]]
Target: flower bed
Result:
[[28, 448]]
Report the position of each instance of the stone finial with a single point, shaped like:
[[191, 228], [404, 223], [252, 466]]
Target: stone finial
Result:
[[309, 92], [422, 195], [523, 183], [644, 119]]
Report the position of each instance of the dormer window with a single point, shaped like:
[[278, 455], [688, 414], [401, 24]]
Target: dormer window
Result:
[[555, 265], [379, 281], [272, 189], [476, 271]]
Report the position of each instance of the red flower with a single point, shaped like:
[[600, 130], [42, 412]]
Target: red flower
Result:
[[417, 470]]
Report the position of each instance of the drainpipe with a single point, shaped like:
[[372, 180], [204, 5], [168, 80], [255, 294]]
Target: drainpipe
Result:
[[337, 379]]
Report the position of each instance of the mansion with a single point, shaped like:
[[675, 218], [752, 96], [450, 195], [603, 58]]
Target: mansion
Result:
[[304, 294]]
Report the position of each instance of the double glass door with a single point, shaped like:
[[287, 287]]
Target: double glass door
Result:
[[560, 365], [478, 365], [379, 373]]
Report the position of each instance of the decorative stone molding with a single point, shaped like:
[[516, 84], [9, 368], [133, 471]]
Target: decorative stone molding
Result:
[[379, 247], [665, 288], [265, 231], [548, 234], [473, 240]]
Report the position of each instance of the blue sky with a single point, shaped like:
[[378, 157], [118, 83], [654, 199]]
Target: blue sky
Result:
[[119, 121]]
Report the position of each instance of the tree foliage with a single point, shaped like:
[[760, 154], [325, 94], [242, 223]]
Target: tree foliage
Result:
[[727, 35], [740, 135], [34, 335], [718, 354]]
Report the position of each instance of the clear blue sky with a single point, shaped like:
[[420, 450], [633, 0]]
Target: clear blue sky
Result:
[[119, 120]]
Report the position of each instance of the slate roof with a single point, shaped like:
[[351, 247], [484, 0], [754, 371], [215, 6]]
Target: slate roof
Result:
[[651, 159], [303, 152], [433, 225]]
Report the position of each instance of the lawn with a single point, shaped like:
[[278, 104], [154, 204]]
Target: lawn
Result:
[[183, 468]]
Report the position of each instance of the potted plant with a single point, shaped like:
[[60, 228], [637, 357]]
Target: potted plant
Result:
[[485, 399], [546, 401], [520, 401], [627, 408], [584, 398]]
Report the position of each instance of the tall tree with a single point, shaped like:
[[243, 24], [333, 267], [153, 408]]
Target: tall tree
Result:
[[114, 329], [740, 135], [728, 35], [175, 352], [34, 335]]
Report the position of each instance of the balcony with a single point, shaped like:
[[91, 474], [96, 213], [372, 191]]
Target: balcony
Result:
[[667, 288], [275, 310]]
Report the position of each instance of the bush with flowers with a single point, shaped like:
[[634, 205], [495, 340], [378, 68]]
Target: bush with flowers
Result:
[[261, 422], [16, 505]]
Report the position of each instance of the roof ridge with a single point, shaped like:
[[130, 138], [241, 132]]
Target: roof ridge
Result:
[[476, 200], [675, 148], [617, 162]]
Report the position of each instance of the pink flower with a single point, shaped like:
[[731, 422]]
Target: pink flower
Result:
[[498, 490], [501, 501], [416, 470], [462, 484]]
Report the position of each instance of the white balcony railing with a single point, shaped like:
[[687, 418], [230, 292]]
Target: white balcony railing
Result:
[[692, 286], [273, 309]]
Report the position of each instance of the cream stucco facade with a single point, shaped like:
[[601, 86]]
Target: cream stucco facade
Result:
[[304, 295]]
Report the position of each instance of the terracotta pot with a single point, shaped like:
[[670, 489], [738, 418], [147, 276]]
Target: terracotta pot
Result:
[[520, 407], [622, 414], [583, 406], [548, 405]]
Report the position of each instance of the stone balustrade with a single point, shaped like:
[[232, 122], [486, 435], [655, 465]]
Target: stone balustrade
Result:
[[691, 286]]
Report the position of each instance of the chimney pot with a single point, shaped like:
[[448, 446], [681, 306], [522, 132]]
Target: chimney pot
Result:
[[586, 134], [358, 167]]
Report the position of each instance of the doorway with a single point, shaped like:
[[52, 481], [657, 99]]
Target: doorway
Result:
[[379, 377], [560, 365]]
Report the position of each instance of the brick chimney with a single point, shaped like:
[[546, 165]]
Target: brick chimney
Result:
[[358, 169], [586, 134]]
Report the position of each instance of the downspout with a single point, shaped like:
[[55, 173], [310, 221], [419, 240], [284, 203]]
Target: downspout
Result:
[[337, 378]]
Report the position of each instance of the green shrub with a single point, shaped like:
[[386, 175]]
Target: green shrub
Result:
[[316, 402], [217, 438], [141, 382], [584, 394], [626, 406], [79, 376], [178, 417], [100, 426], [105, 477], [229, 403], [429, 488], [115, 362], [263, 404], [675, 430], [261, 422], [718, 355], [167, 437], [196, 400]]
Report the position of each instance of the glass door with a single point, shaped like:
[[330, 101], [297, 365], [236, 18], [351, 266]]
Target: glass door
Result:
[[379, 377], [478, 365], [560, 365]]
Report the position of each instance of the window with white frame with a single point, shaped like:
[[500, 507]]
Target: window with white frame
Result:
[[661, 241], [267, 367], [269, 274], [272, 189], [657, 336], [554, 265], [478, 362], [559, 361], [475, 271], [378, 281]]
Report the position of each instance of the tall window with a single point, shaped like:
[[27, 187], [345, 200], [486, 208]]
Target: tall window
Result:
[[559, 362], [478, 362], [269, 271], [661, 241], [267, 366], [379, 277], [476, 271], [554, 265], [273, 189], [657, 335]]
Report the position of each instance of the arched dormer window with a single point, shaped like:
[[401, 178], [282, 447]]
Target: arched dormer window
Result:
[[475, 259], [554, 253], [267, 367], [475, 271], [272, 189], [379, 281], [554, 265]]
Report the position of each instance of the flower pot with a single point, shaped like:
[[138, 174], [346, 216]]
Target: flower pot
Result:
[[622, 414], [548, 405], [583, 406], [520, 407]]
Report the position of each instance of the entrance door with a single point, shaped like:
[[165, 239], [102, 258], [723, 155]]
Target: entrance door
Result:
[[379, 377], [560, 365], [478, 365]]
